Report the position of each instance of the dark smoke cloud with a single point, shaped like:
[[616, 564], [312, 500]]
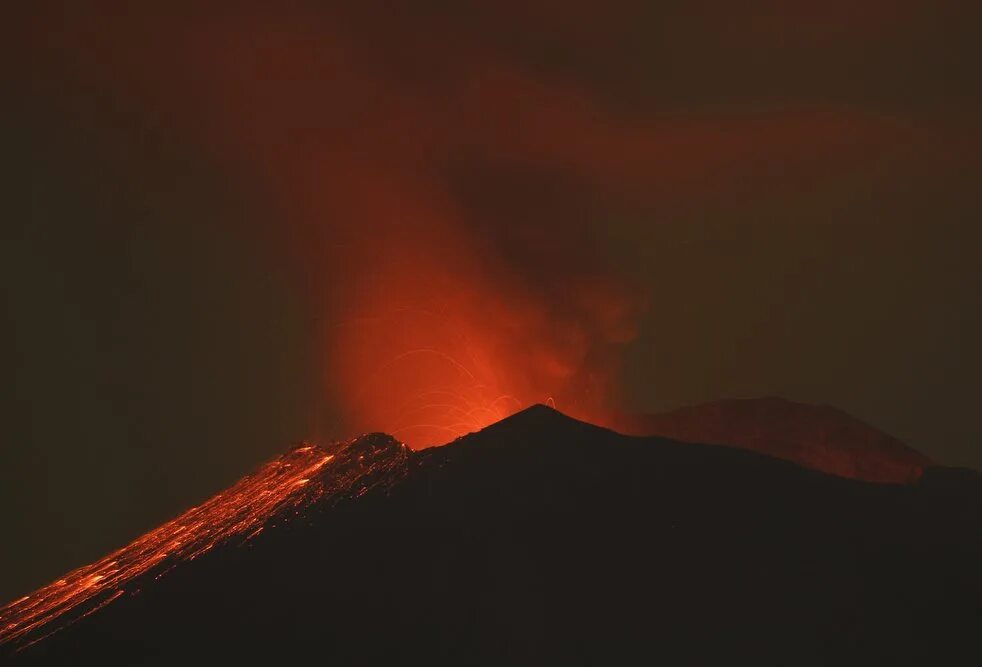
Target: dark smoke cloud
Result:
[[249, 222], [443, 172]]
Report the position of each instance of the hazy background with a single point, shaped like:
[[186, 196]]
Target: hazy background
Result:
[[233, 229]]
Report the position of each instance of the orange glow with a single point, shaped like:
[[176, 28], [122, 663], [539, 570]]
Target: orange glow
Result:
[[398, 193], [280, 489], [437, 344]]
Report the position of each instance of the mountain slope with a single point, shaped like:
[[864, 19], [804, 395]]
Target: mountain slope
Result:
[[305, 477], [545, 540], [818, 437]]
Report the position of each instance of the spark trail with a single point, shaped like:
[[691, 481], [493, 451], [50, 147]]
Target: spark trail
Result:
[[307, 475]]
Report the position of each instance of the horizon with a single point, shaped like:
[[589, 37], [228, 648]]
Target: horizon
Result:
[[235, 228], [270, 508]]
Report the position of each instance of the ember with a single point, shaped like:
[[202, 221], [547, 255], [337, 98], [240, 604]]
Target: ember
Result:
[[297, 480]]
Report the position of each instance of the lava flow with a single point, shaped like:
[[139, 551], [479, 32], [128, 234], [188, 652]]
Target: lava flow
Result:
[[282, 488]]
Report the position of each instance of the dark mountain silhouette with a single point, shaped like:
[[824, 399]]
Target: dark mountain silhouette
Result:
[[815, 436], [546, 540]]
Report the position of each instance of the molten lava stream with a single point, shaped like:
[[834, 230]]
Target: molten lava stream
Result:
[[298, 479]]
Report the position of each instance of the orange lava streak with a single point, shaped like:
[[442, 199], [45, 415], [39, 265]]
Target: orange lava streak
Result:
[[294, 481]]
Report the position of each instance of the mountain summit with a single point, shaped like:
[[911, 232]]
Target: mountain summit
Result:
[[815, 436], [540, 539]]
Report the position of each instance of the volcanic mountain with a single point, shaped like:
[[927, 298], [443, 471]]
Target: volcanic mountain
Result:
[[815, 436], [539, 539]]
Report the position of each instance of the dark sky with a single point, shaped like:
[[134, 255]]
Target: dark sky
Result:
[[236, 228]]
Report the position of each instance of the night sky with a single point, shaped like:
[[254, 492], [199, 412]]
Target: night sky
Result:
[[231, 230]]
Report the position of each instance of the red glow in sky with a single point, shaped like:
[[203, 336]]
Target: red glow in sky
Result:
[[383, 147]]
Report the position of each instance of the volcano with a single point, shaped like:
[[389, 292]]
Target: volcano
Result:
[[540, 539], [815, 436]]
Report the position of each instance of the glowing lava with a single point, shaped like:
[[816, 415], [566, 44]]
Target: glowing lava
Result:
[[280, 489]]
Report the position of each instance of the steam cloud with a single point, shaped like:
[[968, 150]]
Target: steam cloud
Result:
[[442, 177]]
